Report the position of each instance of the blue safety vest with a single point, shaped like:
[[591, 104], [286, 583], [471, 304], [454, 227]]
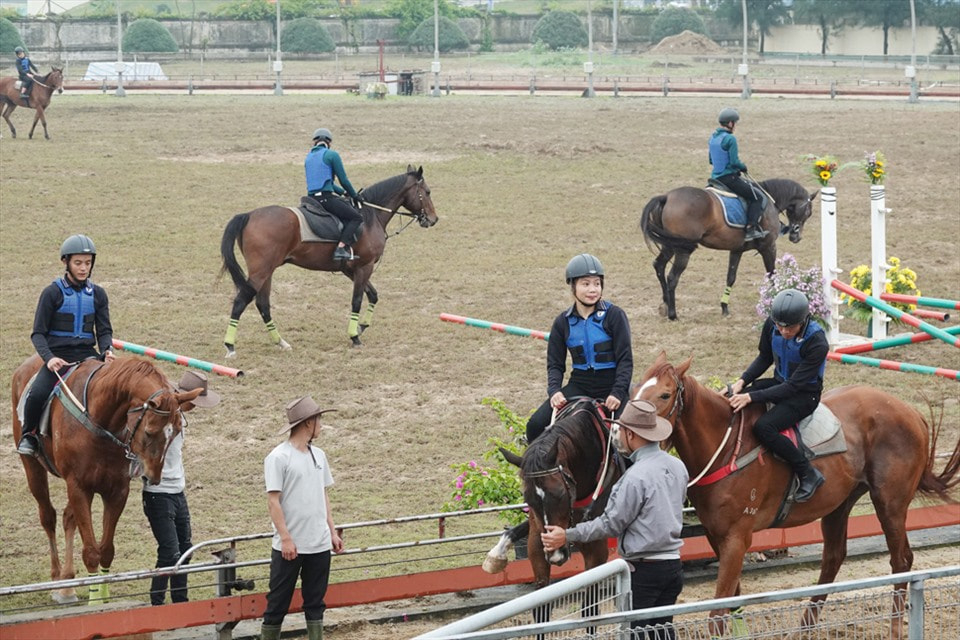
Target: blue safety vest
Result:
[[719, 157], [23, 65], [318, 172], [75, 317], [786, 353], [590, 346]]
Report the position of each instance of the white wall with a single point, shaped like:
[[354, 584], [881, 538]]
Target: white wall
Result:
[[850, 42]]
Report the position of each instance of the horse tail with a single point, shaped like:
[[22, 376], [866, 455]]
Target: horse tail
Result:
[[651, 223], [233, 234], [932, 483]]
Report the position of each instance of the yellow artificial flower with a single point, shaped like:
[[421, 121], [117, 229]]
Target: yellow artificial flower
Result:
[[879, 163], [825, 175], [821, 163]]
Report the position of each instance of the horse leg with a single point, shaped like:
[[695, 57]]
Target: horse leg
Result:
[[730, 551], [833, 528], [263, 306], [80, 500], [679, 265], [244, 296], [65, 596], [891, 507], [372, 300], [36, 118], [113, 504], [660, 268], [732, 265], [39, 485], [496, 560], [361, 278], [6, 116]]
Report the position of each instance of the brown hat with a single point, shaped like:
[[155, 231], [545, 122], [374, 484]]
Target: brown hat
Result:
[[195, 380], [303, 408], [641, 417]]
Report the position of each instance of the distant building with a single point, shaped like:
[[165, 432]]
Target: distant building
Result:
[[42, 7]]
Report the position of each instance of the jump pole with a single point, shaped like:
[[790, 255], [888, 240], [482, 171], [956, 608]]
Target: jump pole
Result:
[[495, 326], [905, 318], [892, 365], [896, 341], [157, 354], [940, 303]]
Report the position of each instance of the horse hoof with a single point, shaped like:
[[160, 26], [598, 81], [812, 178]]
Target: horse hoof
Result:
[[493, 564], [725, 311], [662, 310], [361, 328], [355, 342], [231, 353], [284, 345], [64, 596]]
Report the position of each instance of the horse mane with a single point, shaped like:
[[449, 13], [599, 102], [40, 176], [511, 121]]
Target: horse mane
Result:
[[782, 189], [123, 373], [381, 191], [542, 452]]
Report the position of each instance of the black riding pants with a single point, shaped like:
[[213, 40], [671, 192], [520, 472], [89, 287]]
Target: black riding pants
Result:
[[746, 191], [783, 415], [595, 384], [350, 217], [39, 392], [25, 85]]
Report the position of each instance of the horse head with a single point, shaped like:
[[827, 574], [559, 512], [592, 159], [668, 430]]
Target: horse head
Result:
[[54, 79], [794, 201], [416, 198], [662, 385]]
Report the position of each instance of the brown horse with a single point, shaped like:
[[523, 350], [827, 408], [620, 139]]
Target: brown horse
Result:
[[270, 237], [890, 454], [678, 222], [40, 94], [132, 413]]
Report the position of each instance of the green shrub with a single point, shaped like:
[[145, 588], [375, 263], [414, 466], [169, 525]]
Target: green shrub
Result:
[[674, 20], [9, 37], [306, 35], [449, 37], [559, 30], [248, 10], [412, 13], [148, 35]]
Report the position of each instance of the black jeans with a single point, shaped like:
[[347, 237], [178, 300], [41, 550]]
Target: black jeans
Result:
[[783, 415], [655, 584], [339, 207], [169, 519], [314, 572], [746, 191]]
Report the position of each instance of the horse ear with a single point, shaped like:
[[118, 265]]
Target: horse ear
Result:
[[420, 171], [410, 168], [683, 366], [661, 358], [510, 456], [185, 399], [814, 195]]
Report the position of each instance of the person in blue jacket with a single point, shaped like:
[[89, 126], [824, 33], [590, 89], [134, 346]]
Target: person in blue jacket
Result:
[[797, 346], [26, 71], [72, 320], [596, 333], [322, 165], [727, 167]]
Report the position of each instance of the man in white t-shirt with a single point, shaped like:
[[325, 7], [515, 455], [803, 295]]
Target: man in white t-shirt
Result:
[[297, 475]]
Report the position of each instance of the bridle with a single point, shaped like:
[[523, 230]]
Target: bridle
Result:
[[416, 216]]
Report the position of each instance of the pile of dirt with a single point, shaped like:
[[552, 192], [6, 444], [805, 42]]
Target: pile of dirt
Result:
[[687, 43]]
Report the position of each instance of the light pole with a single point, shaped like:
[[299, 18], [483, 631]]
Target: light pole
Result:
[[435, 65], [911, 71], [588, 65], [743, 69], [120, 67], [278, 64]]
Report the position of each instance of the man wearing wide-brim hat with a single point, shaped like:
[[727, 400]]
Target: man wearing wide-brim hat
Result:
[[165, 504], [297, 475], [644, 513]]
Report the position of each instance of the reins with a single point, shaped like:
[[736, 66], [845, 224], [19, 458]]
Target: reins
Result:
[[414, 217]]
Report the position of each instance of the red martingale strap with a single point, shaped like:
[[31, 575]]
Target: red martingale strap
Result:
[[726, 469]]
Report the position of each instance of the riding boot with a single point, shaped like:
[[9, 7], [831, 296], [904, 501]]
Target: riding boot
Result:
[[754, 231], [314, 629], [810, 481], [343, 253], [269, 631], [27, 445], [26, 99]]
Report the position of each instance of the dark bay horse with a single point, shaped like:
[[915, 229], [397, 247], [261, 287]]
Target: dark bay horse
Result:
[[132, 414], [561, 471], [890, 454], [687, 217], [40, 94], [270, 237]]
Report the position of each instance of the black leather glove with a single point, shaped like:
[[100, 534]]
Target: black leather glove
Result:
[[744, 170], [358, 202]]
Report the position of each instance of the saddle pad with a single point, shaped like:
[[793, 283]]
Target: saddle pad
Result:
[[819, 428], [733, 210], [328, 226]]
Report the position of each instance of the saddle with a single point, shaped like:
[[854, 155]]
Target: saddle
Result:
[[322, 225], [734, 207], [43, 429]]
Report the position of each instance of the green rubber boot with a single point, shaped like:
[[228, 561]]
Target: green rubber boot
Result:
[[269, 631], [315, 629]]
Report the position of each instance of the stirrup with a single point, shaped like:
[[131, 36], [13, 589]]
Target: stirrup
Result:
[[28, 445]]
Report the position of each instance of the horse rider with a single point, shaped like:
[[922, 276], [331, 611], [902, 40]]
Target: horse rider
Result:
[[727, 168], [597, 335], [72, 318], [644, 513], [797, 346], [24, 68], [322, 165]]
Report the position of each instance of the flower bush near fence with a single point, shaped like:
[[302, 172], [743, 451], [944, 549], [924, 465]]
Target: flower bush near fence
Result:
[[823, 168], [899, 280], [787, 274], [874, 165], [492, 481]]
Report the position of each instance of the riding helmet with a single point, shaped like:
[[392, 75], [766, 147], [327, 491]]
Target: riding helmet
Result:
[[728, 115], [323, 134], [77, 244], [19, 50], [583, 265], [790, 307]]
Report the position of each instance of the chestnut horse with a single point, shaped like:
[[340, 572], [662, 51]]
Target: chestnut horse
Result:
[[678, 222], [890, 454], [40, 94], [270, 237], [132, 413]]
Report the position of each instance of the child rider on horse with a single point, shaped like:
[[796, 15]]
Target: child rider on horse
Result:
[[24, 69], [322, 165], [72, 317], [597, 335], [727, 167], [797, 346]]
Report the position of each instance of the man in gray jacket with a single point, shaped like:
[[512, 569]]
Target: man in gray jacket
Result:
[[644, 513]]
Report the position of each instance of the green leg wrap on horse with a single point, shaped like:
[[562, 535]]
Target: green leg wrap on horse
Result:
[[352, 330], [231, 335], [93, 591], [105, 587], [269, 631], [368, 315], [738, 626], [315, 629], [274, 334], [725, 298]]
